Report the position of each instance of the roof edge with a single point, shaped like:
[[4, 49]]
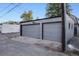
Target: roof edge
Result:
[[39, 19]]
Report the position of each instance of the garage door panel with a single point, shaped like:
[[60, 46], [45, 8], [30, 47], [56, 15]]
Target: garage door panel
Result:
[[52, 31], [31, 30]]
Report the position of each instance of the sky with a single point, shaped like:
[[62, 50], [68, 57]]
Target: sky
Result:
[[75, 9], [38, 10]]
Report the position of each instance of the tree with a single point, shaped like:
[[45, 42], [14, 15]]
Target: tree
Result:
[[27, 16], [54, 9]]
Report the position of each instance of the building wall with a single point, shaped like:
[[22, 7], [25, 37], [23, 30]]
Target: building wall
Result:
[[43, 21], [10, 28], [77, 30], [50, 29], [51, 26], [69, 27]]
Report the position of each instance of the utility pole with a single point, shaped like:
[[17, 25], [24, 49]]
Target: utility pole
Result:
[[63, 6]]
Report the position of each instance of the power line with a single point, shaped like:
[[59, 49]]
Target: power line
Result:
[[11, 9], [6, 7]]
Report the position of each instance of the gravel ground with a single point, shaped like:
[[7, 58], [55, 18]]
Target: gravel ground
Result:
[[52, 45], [9, 47]]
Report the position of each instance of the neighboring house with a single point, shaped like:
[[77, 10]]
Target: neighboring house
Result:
[[76, 25], [0, 27], [48, 29], [10, 28], [73, 44]]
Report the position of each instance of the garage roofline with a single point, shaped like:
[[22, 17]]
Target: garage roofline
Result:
[[40, 19]]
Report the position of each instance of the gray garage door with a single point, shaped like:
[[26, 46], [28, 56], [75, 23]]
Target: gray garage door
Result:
[[31, 30], [52, 31]]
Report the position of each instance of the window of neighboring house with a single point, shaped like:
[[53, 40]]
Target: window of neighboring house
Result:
[[72, 26], [69, 25]]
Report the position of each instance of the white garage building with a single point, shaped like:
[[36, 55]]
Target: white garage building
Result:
[[48, 28]]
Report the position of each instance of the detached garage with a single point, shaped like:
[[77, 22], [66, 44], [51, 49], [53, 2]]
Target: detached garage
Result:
[[49, 29]]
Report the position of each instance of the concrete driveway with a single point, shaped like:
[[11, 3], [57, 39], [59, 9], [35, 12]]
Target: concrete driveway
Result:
[[10, 47]]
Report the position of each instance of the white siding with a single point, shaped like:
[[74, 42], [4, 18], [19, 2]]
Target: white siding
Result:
[[69, 31], [10, 28]]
